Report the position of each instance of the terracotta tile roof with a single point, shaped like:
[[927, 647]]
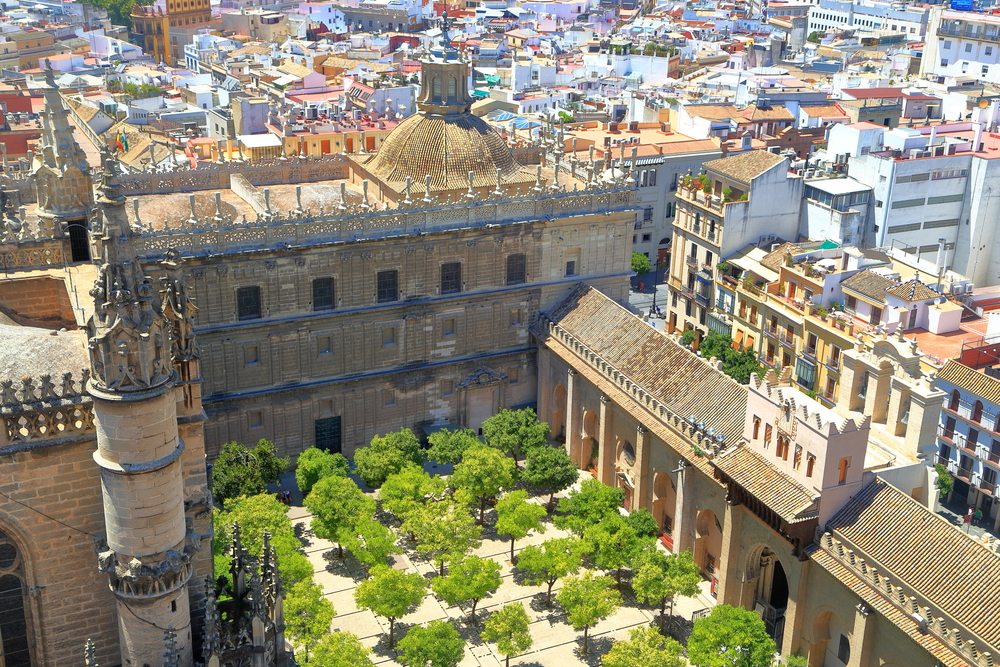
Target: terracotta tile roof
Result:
[[971, 380], [870, 285], [744, 167], [792, 501], [769, 113], [899, 536], [913, 290], [667, 371], [776, 258], [712, 111], [823, 111]]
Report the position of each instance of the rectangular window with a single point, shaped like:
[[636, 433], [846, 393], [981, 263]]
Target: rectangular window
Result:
[[646, 238], [248, 303], [516, 316], [908, 203], [968, 48], [323, 296], [512, 376], [516, 269], [937, 224], [448, 327], [767, 436], [451, 278], [251, 354], [989, 50], [388, 286], [945, 199], [388, 397], [388, 336], [571, 267], [835, 356], [255, 419], [447, 387]]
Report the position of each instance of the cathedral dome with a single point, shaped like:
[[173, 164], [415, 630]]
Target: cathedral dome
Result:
[[447, 147]]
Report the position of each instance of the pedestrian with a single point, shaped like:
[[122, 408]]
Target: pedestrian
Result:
[[977, 518]]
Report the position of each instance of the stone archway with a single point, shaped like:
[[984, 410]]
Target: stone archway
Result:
[[664, 505], [708, 543], [557, 424], [589, 449], [765, 578], [624, 460]]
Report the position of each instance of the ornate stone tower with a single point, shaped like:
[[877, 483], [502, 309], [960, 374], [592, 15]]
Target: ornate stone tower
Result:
[[62, 175], [148, 547]]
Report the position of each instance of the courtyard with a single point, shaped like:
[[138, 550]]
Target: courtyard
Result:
[[556, 643]]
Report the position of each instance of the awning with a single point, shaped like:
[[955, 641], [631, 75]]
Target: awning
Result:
[[805, 371]]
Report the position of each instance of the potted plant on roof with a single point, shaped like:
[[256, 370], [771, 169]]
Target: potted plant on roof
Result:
[[727, 194]]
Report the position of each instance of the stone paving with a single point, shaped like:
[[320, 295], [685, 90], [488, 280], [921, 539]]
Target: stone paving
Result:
[[556, 643]]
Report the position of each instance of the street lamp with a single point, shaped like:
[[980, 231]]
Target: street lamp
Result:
[[656, 266]]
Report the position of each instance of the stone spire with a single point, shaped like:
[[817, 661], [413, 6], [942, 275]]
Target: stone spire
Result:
[[60, 166], [147, 549]]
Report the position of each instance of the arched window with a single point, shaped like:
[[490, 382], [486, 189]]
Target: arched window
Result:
[[436, 88], [953, 404], [977, 412], [14, 643], [452, 89], [756, 427]]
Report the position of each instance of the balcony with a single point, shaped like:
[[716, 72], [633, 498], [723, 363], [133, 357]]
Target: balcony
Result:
[[687, 292], [809, 351], [692, 262], [693, 194], [987, 487], [968, 34], [771, 332], [711, 235], [701, 299], [751, 288], [729, 281], [946, 434], [788, 341]]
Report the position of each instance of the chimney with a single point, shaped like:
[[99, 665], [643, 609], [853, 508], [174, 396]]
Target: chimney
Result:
[[930, 142], [979, 135]]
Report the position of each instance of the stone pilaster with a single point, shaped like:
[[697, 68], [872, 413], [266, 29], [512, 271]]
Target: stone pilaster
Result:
[[730, 589], [643, 488], [572, 436], [606, 454], [921, 425], [851, 377], [861, 637], [877, 395], [899, 397], [683, 535]]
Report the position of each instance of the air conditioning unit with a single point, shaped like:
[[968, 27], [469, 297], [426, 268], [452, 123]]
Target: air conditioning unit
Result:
[[958, 289]]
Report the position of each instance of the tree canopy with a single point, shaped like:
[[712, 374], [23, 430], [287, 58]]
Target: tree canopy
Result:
[[390, 593], [449, 446], [315, 464], [551, 561], [409, 489], [549, 470], [336, 504], [508, 628], [445, 532], [371, 542], [588, 506], [469, 580], [645, 647], [616, 544], [640, 263], [243, 471], [387, 454], [308, 615], [587, 599], [515, 431], [436, 644], [482, 473], [338, 649], [517, 517], [730, 637], [737, 365], [660, 577]]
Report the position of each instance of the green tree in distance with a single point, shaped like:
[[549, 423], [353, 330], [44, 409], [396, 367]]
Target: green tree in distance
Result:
[[242, 471], [481, 475], [387, 454], [643, 523], [437, 644], [737, 365], [730, 637], [640, 263], [449, 446], [371, 542], [338, 649], [616, 544], [645, 647], [409, 489], [307, 615], [551, 561], [469, 580], [517, 517], [336, 504], [445, 532], [315, 464], [508, 629], [550, 470], [515, 431], [587, 599], [660, 577], [390, 593], [588, 506], [257, 515]]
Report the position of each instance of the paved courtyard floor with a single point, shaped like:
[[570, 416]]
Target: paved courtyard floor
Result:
[[556, 643]]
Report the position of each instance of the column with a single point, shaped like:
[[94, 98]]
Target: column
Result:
[[643, 488], [683, 537], [572, 437], [730, 582], [925, 414], [899, 395], [877, 395], [851, 376], [544, 384], [861, 638], [606, 455]]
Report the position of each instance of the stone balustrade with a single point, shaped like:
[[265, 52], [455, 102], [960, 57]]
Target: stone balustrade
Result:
[[907, 601], [39, 410]]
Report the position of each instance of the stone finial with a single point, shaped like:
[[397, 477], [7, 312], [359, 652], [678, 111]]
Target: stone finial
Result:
[[406, 191], [342, 206], [267, 201], [194, 215], [498, 191], [135, 209], [365, 203], [218, 219], [298, 201], [427, 189], [471, 193], [538, 179]]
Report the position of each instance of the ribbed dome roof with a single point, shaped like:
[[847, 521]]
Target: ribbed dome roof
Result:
[[447, 147]]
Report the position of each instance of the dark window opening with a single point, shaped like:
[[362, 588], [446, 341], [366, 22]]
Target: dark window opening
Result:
[[571, 268], [516, 272], [248, 303], [844, 651], [451, 278], [388, 286], [323, 294], [79, 242], [328, 434]]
